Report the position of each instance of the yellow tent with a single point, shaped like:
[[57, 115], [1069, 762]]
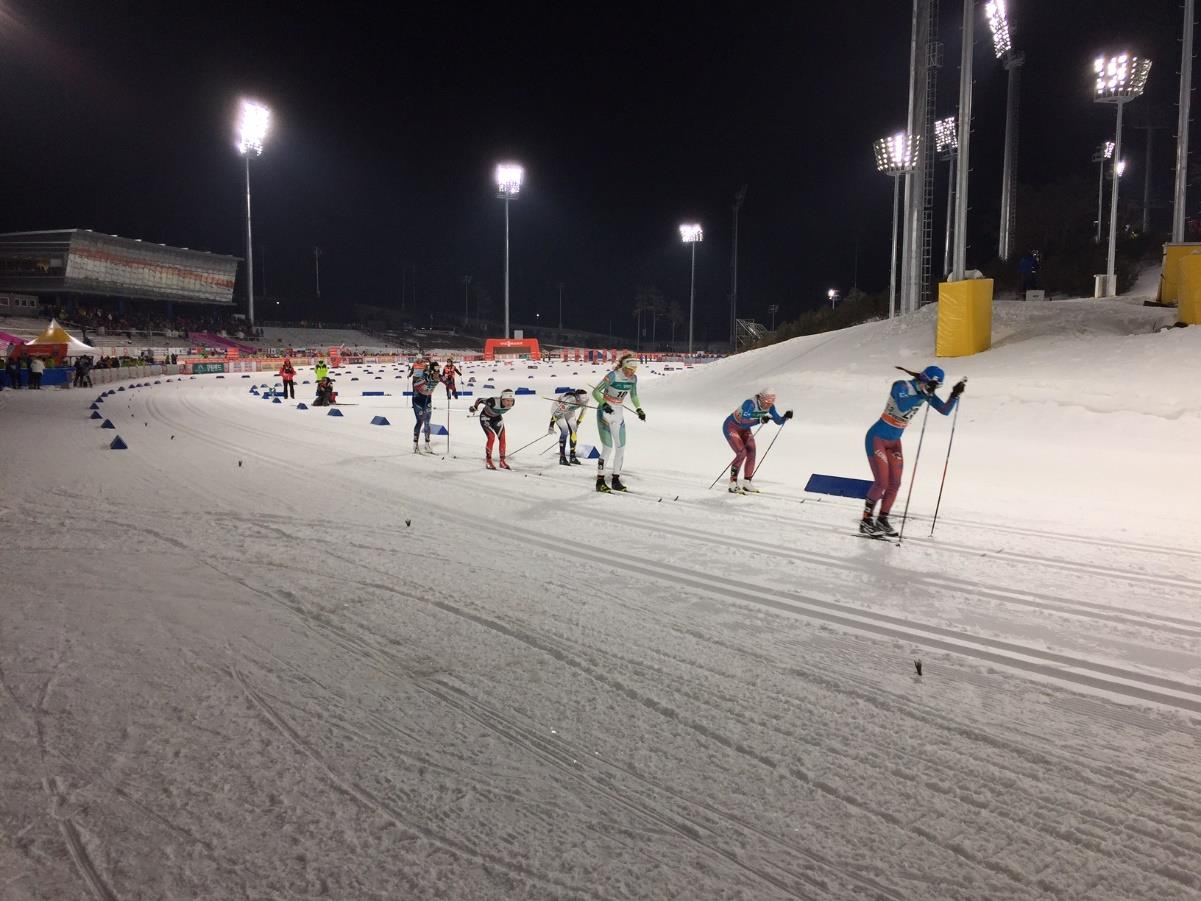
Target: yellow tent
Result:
[[56, 334]]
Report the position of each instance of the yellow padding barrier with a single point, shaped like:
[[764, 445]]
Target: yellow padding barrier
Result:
[[1170, 277], [964, 317], [1188, 309]]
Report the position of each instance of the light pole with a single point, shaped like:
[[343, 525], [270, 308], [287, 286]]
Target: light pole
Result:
[[1104, 152], [509, 177], [738, 199], [253, 122], [895, 156], [1120, 79], [833, 297], [317, 269], [946, 145], [466, 313], [1186, 83], [773, 309], [998, 23], [691, 233], [959, 258], [560, 306]]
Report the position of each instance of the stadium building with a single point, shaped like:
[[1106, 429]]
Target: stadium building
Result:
[[66, 269]]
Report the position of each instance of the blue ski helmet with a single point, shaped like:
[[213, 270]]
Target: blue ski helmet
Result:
[[932, 375]]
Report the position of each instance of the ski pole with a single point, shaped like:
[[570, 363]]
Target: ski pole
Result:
[[913, 475], [759, 465], [731, 463], [524, 446], [941, 484]]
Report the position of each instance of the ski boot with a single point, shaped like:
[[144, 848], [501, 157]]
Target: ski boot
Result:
[[563, 459], [574, 460], [503, 464], [884, 527], [734, 489], [488, 463], [748, 488], [618, 485], [415, 450], [601, 486], [867, 526], [427, 449]]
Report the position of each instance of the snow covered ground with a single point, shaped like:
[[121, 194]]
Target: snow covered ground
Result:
[[270, 653]]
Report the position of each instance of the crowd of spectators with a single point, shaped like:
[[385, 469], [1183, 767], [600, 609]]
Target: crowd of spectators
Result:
[[147, 322]]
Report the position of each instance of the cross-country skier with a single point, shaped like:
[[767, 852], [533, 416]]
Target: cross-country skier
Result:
[[492, 422], [610, 419], [567, 414], [737, 429], [425, 380], [883, 442], [449, 371], [320, 371]]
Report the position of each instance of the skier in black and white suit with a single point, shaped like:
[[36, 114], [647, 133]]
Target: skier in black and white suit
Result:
[[567, 414]]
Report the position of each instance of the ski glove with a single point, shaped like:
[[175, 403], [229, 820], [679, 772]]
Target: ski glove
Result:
[[606, 409], [959, 388], [764, 418], [788, 414], [641, 415]]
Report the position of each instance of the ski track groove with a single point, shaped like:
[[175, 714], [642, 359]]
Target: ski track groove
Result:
[[96, 886], [382, 807], [657, 526], [1100, 612], [1049, 830]]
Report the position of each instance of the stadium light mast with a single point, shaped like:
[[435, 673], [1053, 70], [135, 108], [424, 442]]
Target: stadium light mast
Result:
[[253, 121], [1186, 88], [895, 156], [959, 257], [691, 233], [1104, 152], [998, 23], [1120, 79], [509, 177], [946, 145]]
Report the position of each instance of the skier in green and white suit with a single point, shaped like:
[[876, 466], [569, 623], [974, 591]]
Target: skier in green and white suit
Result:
[[610, 417]]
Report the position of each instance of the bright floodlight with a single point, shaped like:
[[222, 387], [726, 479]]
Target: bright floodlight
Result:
[[946, 135], [998, 23], [509, 177], [1121, 168], [896, 154], [1109, 150], [1121, 77], [690, 233], [252, 127]]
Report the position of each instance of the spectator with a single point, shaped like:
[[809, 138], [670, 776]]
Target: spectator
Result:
[[1028, 269], [13, 368], [36, 368]]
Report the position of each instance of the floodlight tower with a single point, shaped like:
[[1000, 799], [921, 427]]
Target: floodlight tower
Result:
[[1120, 79], [1104, 152], [691, 233], [253, 121], [998, 23], [509, 177], [946, 145], [1186, 87], [895, 156]]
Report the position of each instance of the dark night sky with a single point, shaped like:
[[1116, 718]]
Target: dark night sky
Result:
[[629, 119]]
